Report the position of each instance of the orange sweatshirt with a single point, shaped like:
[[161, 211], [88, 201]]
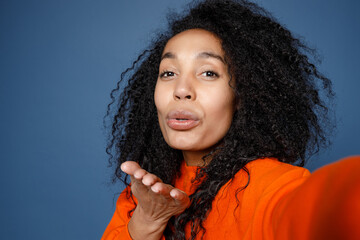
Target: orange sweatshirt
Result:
[[281, 202]]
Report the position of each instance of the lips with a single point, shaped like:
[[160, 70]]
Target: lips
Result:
[[182, 120]]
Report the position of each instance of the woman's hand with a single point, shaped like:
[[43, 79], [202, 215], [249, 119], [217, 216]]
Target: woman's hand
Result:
[[157, 202]]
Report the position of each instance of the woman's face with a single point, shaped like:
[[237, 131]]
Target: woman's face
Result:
[[194, 100]]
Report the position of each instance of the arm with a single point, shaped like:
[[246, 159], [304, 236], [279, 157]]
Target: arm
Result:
[[117, 228], [325, 206]]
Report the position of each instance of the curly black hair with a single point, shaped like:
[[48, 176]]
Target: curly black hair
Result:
[[282, 114]]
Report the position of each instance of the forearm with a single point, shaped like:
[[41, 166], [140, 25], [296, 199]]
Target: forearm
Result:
[[140, 227], [325, 206]]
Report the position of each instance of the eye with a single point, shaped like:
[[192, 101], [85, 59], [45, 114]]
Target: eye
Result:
[[210, 74], [167, 74]]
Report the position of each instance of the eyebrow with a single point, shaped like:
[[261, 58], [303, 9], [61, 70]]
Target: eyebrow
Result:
[[210, 55], [200, 55]]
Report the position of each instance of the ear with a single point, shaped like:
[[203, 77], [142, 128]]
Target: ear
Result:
[[237, 103]]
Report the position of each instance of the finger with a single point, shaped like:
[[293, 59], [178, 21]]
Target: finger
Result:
[[140, 173], [180, 196], [161, 188], [150, 179], [137, 187], [130, 167]]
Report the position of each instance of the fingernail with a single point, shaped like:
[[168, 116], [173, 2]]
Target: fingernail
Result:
[[154, 189], [172, 194]]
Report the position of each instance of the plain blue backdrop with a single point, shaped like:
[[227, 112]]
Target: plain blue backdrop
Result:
[[59, 61]]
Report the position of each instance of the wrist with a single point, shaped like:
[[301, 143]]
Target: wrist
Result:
[[143, 227]]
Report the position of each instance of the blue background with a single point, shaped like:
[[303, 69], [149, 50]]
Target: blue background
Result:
[[59, 61]]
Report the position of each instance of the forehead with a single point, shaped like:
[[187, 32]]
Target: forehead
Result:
[[195, 40]]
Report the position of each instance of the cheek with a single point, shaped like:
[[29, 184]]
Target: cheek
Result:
[[221, 107], [225, 113], [160, 99], [221, 117], [156, 95]]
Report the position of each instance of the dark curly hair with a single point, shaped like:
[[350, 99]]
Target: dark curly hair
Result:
[[282, 112]]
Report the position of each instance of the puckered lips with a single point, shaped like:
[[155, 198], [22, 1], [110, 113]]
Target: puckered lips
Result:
[[182, 120]]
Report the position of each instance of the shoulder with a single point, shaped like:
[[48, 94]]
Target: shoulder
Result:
[[269, 174], [253, 194], [270, 168]]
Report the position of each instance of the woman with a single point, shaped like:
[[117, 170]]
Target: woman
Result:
[[212, 118]]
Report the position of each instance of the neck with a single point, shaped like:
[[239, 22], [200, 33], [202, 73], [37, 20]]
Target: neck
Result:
[[194, 158]]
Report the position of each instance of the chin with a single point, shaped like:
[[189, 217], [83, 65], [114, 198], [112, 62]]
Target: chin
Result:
[[182, 145], [188, 146]]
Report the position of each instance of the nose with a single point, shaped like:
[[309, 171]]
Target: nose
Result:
[[184, 89]]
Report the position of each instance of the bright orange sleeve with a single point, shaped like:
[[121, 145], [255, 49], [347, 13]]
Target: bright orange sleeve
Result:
[[284, 202], [117, 228], [325, 206]]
